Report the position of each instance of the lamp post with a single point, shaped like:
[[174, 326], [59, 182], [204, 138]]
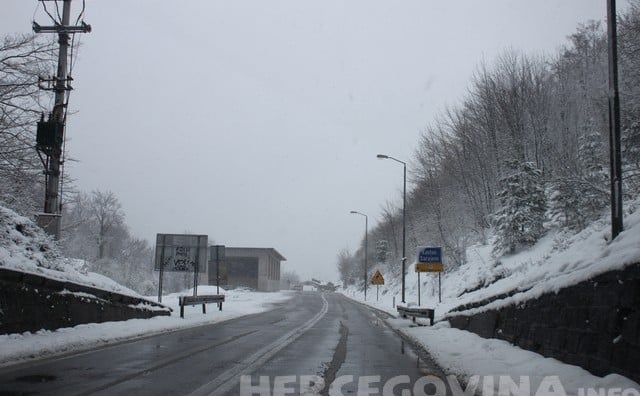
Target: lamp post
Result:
[[366, 232], [404, 217]]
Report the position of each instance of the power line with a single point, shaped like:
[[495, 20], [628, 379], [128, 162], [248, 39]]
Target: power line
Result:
[[44, 6]]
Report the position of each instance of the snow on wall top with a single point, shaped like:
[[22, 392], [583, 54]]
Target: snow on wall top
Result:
[[26, 247]]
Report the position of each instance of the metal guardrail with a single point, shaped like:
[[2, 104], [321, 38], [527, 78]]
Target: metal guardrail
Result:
[[204, 300], [416, 312]]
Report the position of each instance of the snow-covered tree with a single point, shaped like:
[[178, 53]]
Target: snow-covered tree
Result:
[[629, 50], [106, 212], [631, 155], [593, 161], [22, 59], [348, 268], [580, 197], [549, 116], [519, 221], [94, 229], [382, 251]]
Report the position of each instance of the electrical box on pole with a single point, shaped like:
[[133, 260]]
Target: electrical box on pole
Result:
[[49, 136]]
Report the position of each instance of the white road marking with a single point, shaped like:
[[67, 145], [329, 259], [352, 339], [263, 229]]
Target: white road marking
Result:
[[230, 378]]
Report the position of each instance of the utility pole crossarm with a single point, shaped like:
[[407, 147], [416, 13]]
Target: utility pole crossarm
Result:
[[61, 29]]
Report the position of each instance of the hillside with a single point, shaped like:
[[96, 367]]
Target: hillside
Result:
[[557, 261], [25, 247]]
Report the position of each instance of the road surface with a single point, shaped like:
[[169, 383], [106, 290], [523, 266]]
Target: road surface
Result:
[[316, 343]]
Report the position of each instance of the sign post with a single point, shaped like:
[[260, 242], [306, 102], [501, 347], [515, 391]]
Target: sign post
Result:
[[419, 293], [377, 280], [430, 260], [180, 253], [217, 253], [439, 287]]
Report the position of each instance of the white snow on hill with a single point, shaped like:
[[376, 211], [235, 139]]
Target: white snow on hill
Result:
[[557, 261], [25, 247]]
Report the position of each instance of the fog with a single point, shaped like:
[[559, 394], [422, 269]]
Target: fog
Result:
[[258, 122]]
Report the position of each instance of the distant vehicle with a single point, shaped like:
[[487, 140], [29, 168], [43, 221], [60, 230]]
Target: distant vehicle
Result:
[[296, 287]]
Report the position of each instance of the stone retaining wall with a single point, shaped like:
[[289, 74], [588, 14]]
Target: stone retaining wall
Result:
[[594, 324], [30, 302]]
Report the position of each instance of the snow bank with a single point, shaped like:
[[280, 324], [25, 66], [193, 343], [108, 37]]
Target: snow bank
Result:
[[465, 354], [16, 348], [25, 247]]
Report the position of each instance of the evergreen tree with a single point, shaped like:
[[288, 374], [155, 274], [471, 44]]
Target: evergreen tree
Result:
[[382, 251], [565, 202], [631, 156], [519, 221], [580, 197], [593, 162]]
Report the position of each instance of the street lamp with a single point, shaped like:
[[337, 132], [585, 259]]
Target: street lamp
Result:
[[404, 218], [366, 232]]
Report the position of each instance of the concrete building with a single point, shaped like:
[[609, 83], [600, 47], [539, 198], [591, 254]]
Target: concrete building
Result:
[[256, 268]]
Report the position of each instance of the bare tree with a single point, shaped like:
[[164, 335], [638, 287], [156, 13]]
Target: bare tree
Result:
[[348, 267], [290, 277], [23, 58], [108, 216], [629, 44]]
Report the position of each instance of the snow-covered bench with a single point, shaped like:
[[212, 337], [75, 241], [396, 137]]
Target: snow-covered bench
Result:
[[416, 312], [204, 300]]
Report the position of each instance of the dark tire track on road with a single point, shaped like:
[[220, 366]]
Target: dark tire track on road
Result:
[[339, 356]]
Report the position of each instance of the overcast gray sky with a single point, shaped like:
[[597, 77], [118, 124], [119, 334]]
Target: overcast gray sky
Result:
[[258, 122]]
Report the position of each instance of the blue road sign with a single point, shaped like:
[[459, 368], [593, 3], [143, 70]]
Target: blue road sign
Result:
[[430, 255]]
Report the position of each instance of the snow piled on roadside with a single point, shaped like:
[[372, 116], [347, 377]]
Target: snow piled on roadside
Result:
[[26, 247], [17, 348], [465, 354]]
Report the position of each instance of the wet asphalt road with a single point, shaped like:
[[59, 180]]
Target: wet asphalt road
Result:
[[303, 345]]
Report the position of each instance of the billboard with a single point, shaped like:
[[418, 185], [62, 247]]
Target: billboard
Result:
[[181, 252]]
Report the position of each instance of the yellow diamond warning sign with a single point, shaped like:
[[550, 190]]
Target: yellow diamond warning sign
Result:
[[377, 279]]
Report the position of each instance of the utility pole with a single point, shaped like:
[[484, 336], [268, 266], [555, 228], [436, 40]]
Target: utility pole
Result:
[[50, 134], [614, 123]]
